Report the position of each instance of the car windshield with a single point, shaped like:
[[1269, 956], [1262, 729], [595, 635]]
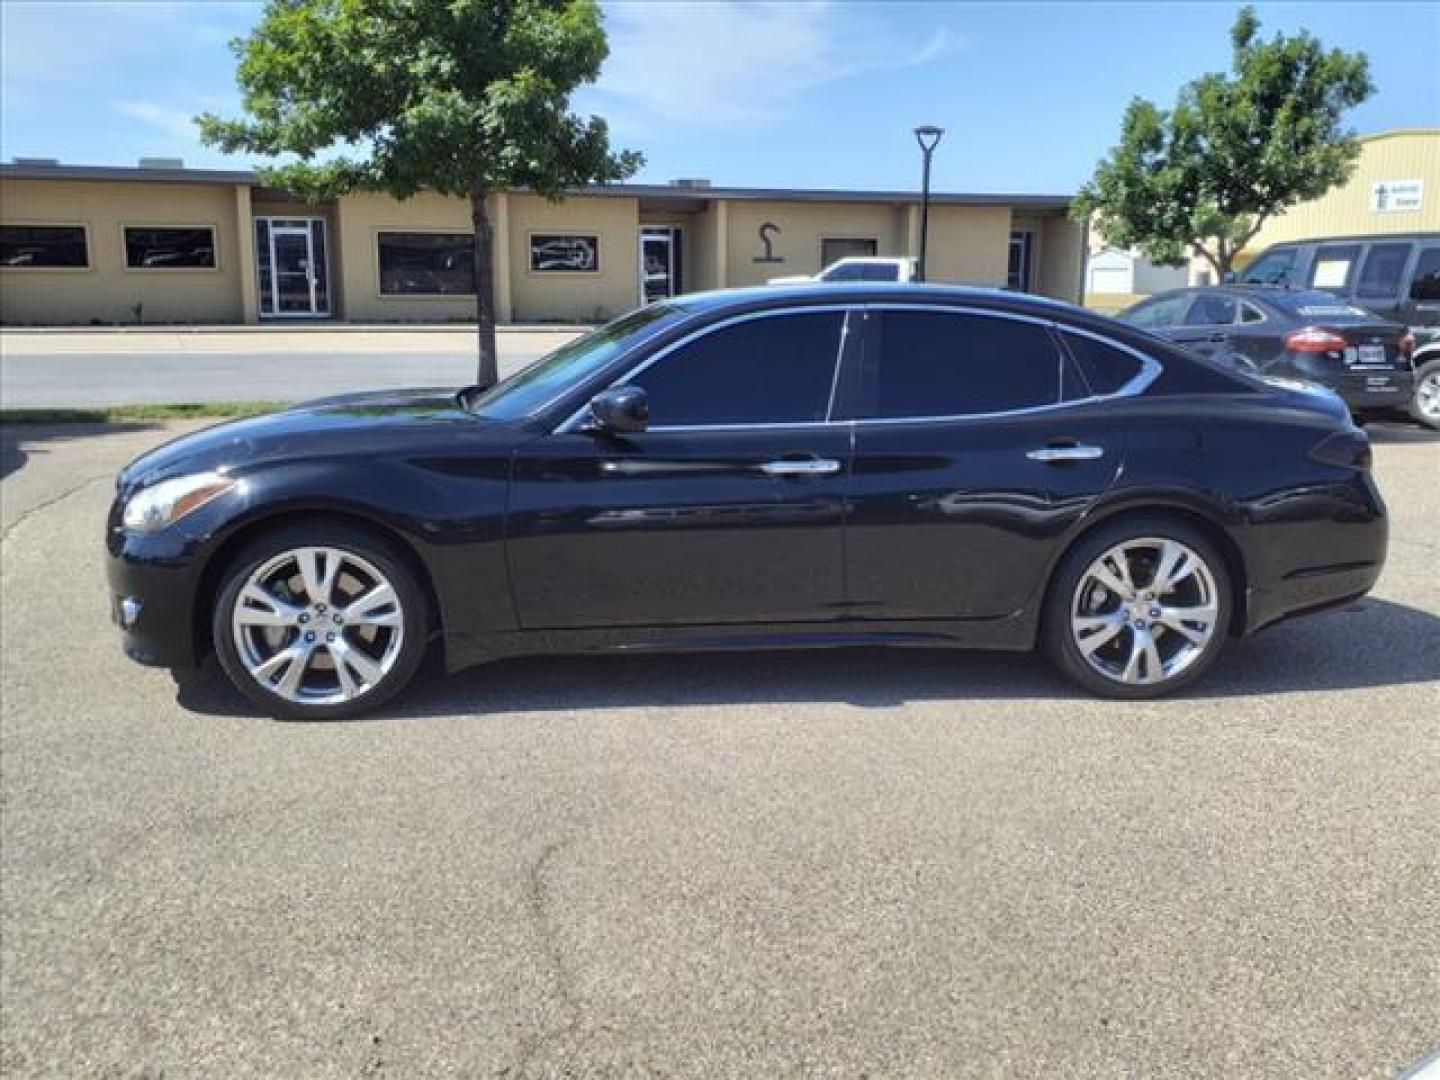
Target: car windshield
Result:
[[1311, 304], [528, 390]]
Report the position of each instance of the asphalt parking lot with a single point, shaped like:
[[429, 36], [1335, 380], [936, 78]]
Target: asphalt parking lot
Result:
[[838, 864]]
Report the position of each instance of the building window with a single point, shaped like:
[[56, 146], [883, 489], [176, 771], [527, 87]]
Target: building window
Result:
[[1017, 277], [565, 253], [837, 248], [148, 248], [427, 264], [42, 246]]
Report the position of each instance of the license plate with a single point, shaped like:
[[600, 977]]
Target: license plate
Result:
[[1370, 354]]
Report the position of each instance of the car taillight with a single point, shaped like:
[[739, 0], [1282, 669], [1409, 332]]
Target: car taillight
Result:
[[1407, 346], [1344, 449], [1314, 339]]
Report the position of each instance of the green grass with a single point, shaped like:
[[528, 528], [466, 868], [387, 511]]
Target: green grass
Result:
[[123, 414]]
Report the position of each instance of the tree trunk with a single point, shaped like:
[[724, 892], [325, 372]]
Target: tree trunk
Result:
[[487, 372]]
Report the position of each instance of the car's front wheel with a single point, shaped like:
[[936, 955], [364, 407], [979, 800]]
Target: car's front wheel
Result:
[[1139, 608], [319, 622]]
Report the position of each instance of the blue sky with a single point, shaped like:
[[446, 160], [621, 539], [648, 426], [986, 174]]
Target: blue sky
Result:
[[766, 94]]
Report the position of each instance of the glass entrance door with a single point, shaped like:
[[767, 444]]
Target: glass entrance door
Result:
[[290, 253], [660, 262]]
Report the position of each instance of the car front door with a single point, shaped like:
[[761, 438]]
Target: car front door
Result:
[[729, 508], [975, 450]]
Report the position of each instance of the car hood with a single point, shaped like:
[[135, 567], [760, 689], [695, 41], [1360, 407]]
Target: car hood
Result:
[[331, 425]]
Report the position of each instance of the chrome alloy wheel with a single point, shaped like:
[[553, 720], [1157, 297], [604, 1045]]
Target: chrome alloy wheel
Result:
[[1144, 611], [317, 625], [1427, 396]]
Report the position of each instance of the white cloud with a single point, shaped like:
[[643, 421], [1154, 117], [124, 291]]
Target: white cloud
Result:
[[178, 124], [729, 63]]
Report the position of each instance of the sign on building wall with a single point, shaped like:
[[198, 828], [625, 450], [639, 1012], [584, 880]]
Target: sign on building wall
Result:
[[1392, 196], [553, 252]]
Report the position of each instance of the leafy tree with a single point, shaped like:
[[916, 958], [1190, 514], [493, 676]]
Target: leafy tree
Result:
[[460, 97], [1236, 149]]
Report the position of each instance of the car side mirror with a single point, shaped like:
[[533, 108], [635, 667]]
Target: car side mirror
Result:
[[620, 409], [1229, 277]]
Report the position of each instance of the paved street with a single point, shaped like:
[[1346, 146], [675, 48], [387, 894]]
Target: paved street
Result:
[[859, 863], [49, 370]]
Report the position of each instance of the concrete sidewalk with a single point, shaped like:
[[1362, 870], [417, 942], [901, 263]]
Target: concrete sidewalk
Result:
[[78, 370]]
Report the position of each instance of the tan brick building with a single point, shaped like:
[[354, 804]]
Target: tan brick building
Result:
[[165, 244]]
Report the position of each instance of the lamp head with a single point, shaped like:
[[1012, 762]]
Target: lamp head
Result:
[[928, 136]]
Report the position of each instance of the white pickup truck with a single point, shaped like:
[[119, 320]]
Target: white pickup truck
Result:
[[858, 268]]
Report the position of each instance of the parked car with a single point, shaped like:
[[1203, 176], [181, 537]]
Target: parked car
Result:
[[786, 467], [858, 268], [1298, 333], [1396, 276]]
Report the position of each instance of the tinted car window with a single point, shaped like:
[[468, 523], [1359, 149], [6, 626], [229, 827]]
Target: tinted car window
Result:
[[1158, 313], [949, 364], [1334, 266], [1426, 283], [533, 387], [1251, 314], [1211, 309], [1381, 273], [863, 272], [1272, 268], [1106, 368], [774, 370]]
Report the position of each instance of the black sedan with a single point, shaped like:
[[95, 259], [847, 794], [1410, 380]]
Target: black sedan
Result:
[[1296, 333], [782, 467]]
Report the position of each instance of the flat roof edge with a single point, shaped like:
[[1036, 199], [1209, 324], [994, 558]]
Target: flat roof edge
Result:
[[131, 174]]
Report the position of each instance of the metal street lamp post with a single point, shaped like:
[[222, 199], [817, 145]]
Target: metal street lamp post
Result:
[[928, 136]]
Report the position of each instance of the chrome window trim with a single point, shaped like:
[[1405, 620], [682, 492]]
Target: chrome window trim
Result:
[[570, 425], [1255, 308], [1150, 370]]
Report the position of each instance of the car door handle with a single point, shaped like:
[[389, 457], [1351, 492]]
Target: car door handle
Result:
[[1066, 452], [1219, 337], [801, 467]]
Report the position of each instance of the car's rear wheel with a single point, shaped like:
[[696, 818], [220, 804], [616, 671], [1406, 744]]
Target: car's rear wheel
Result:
[[319, 622], [1139, 608], [1425, 406]]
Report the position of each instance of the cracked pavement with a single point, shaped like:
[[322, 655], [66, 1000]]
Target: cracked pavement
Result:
[[843, 864]]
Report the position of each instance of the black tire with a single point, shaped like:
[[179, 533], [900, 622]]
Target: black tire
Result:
[[383, 556], [1428, 369], [1058, 639]]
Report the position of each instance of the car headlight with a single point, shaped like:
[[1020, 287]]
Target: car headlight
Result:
[[162, 504]]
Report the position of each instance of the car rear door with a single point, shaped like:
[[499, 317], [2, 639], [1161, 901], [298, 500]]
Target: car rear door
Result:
[[728, 509], [974, 453], [1208, 323], [1422, 304]]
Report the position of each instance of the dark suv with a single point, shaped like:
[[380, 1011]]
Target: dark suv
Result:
[[1396, 276]]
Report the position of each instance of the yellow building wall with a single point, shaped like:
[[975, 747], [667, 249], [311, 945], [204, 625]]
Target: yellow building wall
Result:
[[802, 226], [1345, 210], [108, 291], [1059, 266], [576, 296], [968, 245]]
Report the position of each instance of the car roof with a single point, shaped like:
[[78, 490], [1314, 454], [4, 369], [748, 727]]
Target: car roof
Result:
[[861, 292], [1365, 238]]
